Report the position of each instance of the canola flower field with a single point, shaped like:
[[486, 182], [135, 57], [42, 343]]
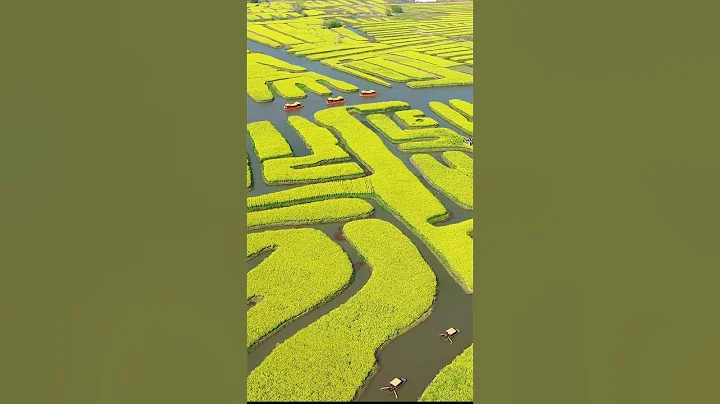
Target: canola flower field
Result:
[[431, 46], [394, 155]]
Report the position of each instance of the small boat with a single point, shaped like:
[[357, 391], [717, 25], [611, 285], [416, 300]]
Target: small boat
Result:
[[395, 385], [368, 93], [335, 100], [293, 106], [450, 332]]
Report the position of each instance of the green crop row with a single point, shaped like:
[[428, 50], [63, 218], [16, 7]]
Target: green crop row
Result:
[[288, 88], [369, 68], [400, 68], [305, 269], [315, 167], [463, 107], [375, 107], [460, 161], [415, 118], [454, 383], [354, 188], [327, 211], [447, 49], [263, 40], [268, 142], [426, 58], [260, 29], [450, 182], [448, 77], [467, 52], [453, 117], [417, 140], [331, 359]]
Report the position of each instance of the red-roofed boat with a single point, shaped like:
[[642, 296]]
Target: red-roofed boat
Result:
[[293, 106], [335, 100]]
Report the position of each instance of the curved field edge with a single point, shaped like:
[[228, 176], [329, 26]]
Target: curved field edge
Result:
[[451, 182], [304, 270], [454, 382], [332, 358]]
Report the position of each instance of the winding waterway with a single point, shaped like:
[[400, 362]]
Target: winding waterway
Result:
[[419, 354]]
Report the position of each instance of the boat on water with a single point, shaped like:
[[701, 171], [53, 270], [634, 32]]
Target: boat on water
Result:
[[368, 93], [335, 100], [293, 106]]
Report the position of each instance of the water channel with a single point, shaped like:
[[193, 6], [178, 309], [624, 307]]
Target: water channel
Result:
[[419, 354]]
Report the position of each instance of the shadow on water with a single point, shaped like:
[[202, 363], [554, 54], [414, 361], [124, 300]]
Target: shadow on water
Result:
[[419, 354]]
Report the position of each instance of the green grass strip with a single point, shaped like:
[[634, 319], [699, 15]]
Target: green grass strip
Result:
[[305, 269], [331, 358], [454, 383]]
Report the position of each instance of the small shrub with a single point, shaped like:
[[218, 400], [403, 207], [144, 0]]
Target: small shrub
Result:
[[332, 23], [395, 9], [253, 1], [298, 6]]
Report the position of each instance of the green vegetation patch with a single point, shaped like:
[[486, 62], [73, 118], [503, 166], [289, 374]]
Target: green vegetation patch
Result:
[[331, 358], [460, 161], [426, 58], [305, 269], [415, 118], [463, 107], [327, 211], [369, 68], [327, 161], [417, 140], [400, 68], [454, 383], [268, 142], [452, 183], [453, 117]]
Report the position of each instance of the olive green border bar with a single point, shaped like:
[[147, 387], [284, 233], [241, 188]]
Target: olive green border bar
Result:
[[121, 202], [597, 214], [242, 285]]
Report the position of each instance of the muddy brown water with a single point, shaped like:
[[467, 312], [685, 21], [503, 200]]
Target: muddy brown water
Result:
[[418, 354]]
